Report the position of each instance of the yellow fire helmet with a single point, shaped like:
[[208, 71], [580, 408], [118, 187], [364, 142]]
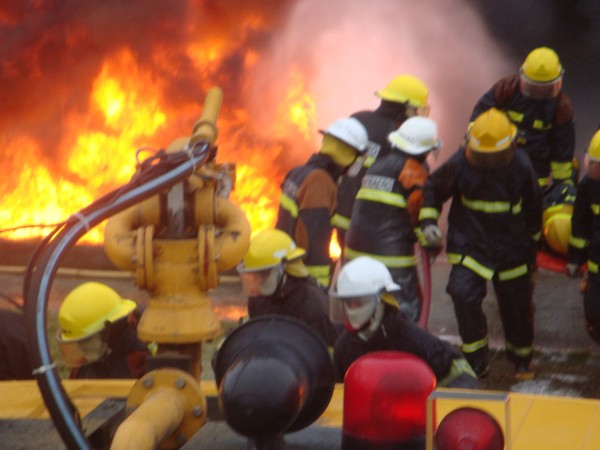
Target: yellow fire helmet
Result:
[[593, 150], [271, 253], [557, 227], [405, 89], [541, 74], [490, 142], [592, 157], [268, 249], [86, 309]]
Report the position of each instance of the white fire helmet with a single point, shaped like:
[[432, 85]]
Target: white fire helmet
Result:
[[349, 131], [358, 288], [416, 135]]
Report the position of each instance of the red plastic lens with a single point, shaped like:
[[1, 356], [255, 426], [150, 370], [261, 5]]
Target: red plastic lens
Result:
[[469, 428], [385, 397]]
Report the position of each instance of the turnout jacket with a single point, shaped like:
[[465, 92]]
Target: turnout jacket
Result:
[[495, 217], [386, 211], [302, 299], [308, 200], [14, 353], [397, 333], [379, 124], [126, 359], [584, 243], [546, 127]]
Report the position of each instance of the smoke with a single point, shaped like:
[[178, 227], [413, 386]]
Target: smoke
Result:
[[572, 28], [352, 51]]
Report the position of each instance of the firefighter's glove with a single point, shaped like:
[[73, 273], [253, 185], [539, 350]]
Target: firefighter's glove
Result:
[[572, 270], [433, 236]]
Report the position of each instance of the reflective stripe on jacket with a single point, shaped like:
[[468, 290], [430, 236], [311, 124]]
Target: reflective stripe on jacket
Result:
[[386, 211], [494, 217], [584, 243], [308, 199]]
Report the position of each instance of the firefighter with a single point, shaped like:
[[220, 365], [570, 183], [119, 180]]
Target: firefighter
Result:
[[14, 353], [404, 96], [373, 322], [584, 243], [309, 193], [97, 334], [386, 209], [493, 228], [536, 104], [277, 282]]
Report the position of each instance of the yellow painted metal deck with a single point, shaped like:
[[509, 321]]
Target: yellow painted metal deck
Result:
[[532, 421]]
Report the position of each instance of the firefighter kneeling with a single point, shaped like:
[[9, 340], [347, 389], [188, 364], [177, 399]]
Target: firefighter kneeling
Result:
[[97, 335]]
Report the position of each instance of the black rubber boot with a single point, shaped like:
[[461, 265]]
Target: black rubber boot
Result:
[[479, 361]]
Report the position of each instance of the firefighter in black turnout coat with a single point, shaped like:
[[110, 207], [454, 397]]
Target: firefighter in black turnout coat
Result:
[[404, 96], [309, 194], [493, 228], [14, 354], [535, 103], [584, 243], [373, 323], [277, 282], [386, 209], [98, 334]]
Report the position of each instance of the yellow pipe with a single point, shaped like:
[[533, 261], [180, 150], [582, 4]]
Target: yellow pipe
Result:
[[120, 233], [205, 128], [156, 419], [233, 238]]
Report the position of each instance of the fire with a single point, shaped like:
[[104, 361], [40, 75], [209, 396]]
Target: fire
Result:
[[334, 247], [128, 110], [300, 106]]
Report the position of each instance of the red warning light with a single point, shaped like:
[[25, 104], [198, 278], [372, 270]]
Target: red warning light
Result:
[[385, 400], [469, 428]]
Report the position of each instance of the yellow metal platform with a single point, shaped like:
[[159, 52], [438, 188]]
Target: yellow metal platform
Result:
[[532, 421]]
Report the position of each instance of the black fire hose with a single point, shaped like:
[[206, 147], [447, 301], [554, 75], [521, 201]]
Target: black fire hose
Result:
[[47, 258]]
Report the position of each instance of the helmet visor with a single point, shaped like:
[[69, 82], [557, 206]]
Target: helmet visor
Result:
[[422, 111], [538, 90], [261, 282], [592, 168], [357, 311], [490, 160], [85, 351]]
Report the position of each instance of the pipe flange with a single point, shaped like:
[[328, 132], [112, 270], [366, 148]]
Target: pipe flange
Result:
[[181, 384]]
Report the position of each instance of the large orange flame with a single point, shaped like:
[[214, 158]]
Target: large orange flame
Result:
[[127, 111]]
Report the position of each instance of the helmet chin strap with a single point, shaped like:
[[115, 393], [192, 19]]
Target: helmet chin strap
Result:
[[280, 284], [367, 333]]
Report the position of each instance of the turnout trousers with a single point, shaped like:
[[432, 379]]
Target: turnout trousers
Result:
[[515, 304]]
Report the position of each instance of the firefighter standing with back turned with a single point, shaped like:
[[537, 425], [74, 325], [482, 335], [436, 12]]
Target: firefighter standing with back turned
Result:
[[403, 97], [584, 243], [309, 194], [373, 322], [493, 227], [386, 210]]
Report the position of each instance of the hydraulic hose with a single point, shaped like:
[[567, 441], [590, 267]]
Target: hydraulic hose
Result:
[[426, 300], [44, 265]]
